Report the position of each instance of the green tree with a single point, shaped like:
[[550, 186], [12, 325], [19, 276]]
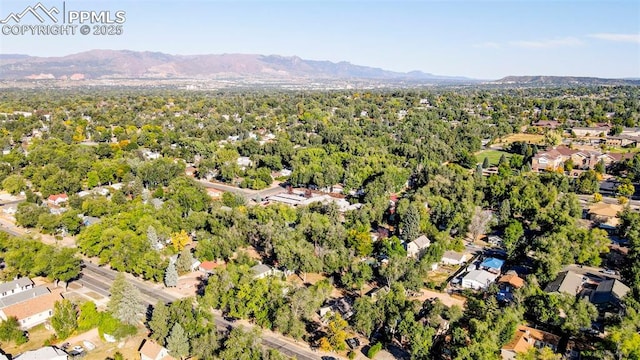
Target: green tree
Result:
[[10, 330], [411, 223], [178, 342], [65, 318], [206, 345], [171, 276], [89, 316], [159, 323], [184, 261], [485, 163], [125, 302], [14, 184]]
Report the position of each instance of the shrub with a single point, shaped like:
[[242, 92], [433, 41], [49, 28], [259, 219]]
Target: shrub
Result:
[[374, 350]]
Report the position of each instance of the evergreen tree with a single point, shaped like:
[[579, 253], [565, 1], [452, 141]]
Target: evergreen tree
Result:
[[183, 264], [125, 303], [411, 223], [178, 342], [504, 214], [159, 324], [171, 276], [152, 236], [485, 163]]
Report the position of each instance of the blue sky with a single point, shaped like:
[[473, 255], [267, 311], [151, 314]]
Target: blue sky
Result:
[[479, 39]]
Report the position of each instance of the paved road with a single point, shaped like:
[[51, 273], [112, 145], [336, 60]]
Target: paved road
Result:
[[587, 199], [247, 193], [99, 279], [589, 271]]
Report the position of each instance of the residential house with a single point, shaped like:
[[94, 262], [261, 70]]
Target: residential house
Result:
[[44, 353], [244, 162], [567, 282], [150, 350], [606, 215], [508, 284], [215, 194], [555, 158], [478, 279], [262, 271], [551, 159], [207, 266], [57, 199], [15, 286], [454, 258], [418, 246], [607, 297], [590, 131], [511, 280], [621, 141], [526, 338], [30, 311], [90, 220], [492, 265]]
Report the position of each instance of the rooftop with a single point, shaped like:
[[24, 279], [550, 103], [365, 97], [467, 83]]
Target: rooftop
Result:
[[15, 284], [492, 263], [567, 282], [23, 296]]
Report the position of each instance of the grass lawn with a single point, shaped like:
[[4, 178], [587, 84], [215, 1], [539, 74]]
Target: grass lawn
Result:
[[530, 138], [493, 155]]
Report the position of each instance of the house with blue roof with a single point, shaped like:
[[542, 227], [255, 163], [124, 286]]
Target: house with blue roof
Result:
[[492, 265]]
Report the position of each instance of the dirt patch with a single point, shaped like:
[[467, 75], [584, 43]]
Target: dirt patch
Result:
[[446, 299], [530, 138]]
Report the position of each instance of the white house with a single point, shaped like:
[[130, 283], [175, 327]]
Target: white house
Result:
[[30, 311], [478, 279], [244, 162], [454, 258], [150, 350], [261, 271], [15, 286], [417, 246]]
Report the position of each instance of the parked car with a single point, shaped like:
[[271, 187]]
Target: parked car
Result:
[[609, 272], [353, 343]]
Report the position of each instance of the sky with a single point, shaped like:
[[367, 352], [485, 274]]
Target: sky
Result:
[[472, 38]]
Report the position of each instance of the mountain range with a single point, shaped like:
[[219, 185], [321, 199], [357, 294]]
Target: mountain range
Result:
[[248, 68], [114, 64]]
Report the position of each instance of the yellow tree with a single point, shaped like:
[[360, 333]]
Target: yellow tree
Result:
[[180, 240], [336, 332]]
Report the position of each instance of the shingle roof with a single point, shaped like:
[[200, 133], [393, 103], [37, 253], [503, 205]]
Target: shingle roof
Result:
[[513, 280], [150, 349], [609, 291], [23, 296], [526, 337], [32, 306], [567, 282], [15, 284]]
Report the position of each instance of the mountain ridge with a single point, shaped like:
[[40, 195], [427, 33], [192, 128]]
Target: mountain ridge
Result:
[[104, 64]]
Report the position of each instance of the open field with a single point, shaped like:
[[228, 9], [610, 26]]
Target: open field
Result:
[[493, 155], [530, 138]]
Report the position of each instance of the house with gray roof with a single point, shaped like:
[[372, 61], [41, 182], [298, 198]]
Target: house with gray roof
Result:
[[417, 246], [607, 297], [16, 286], [567, 282]]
